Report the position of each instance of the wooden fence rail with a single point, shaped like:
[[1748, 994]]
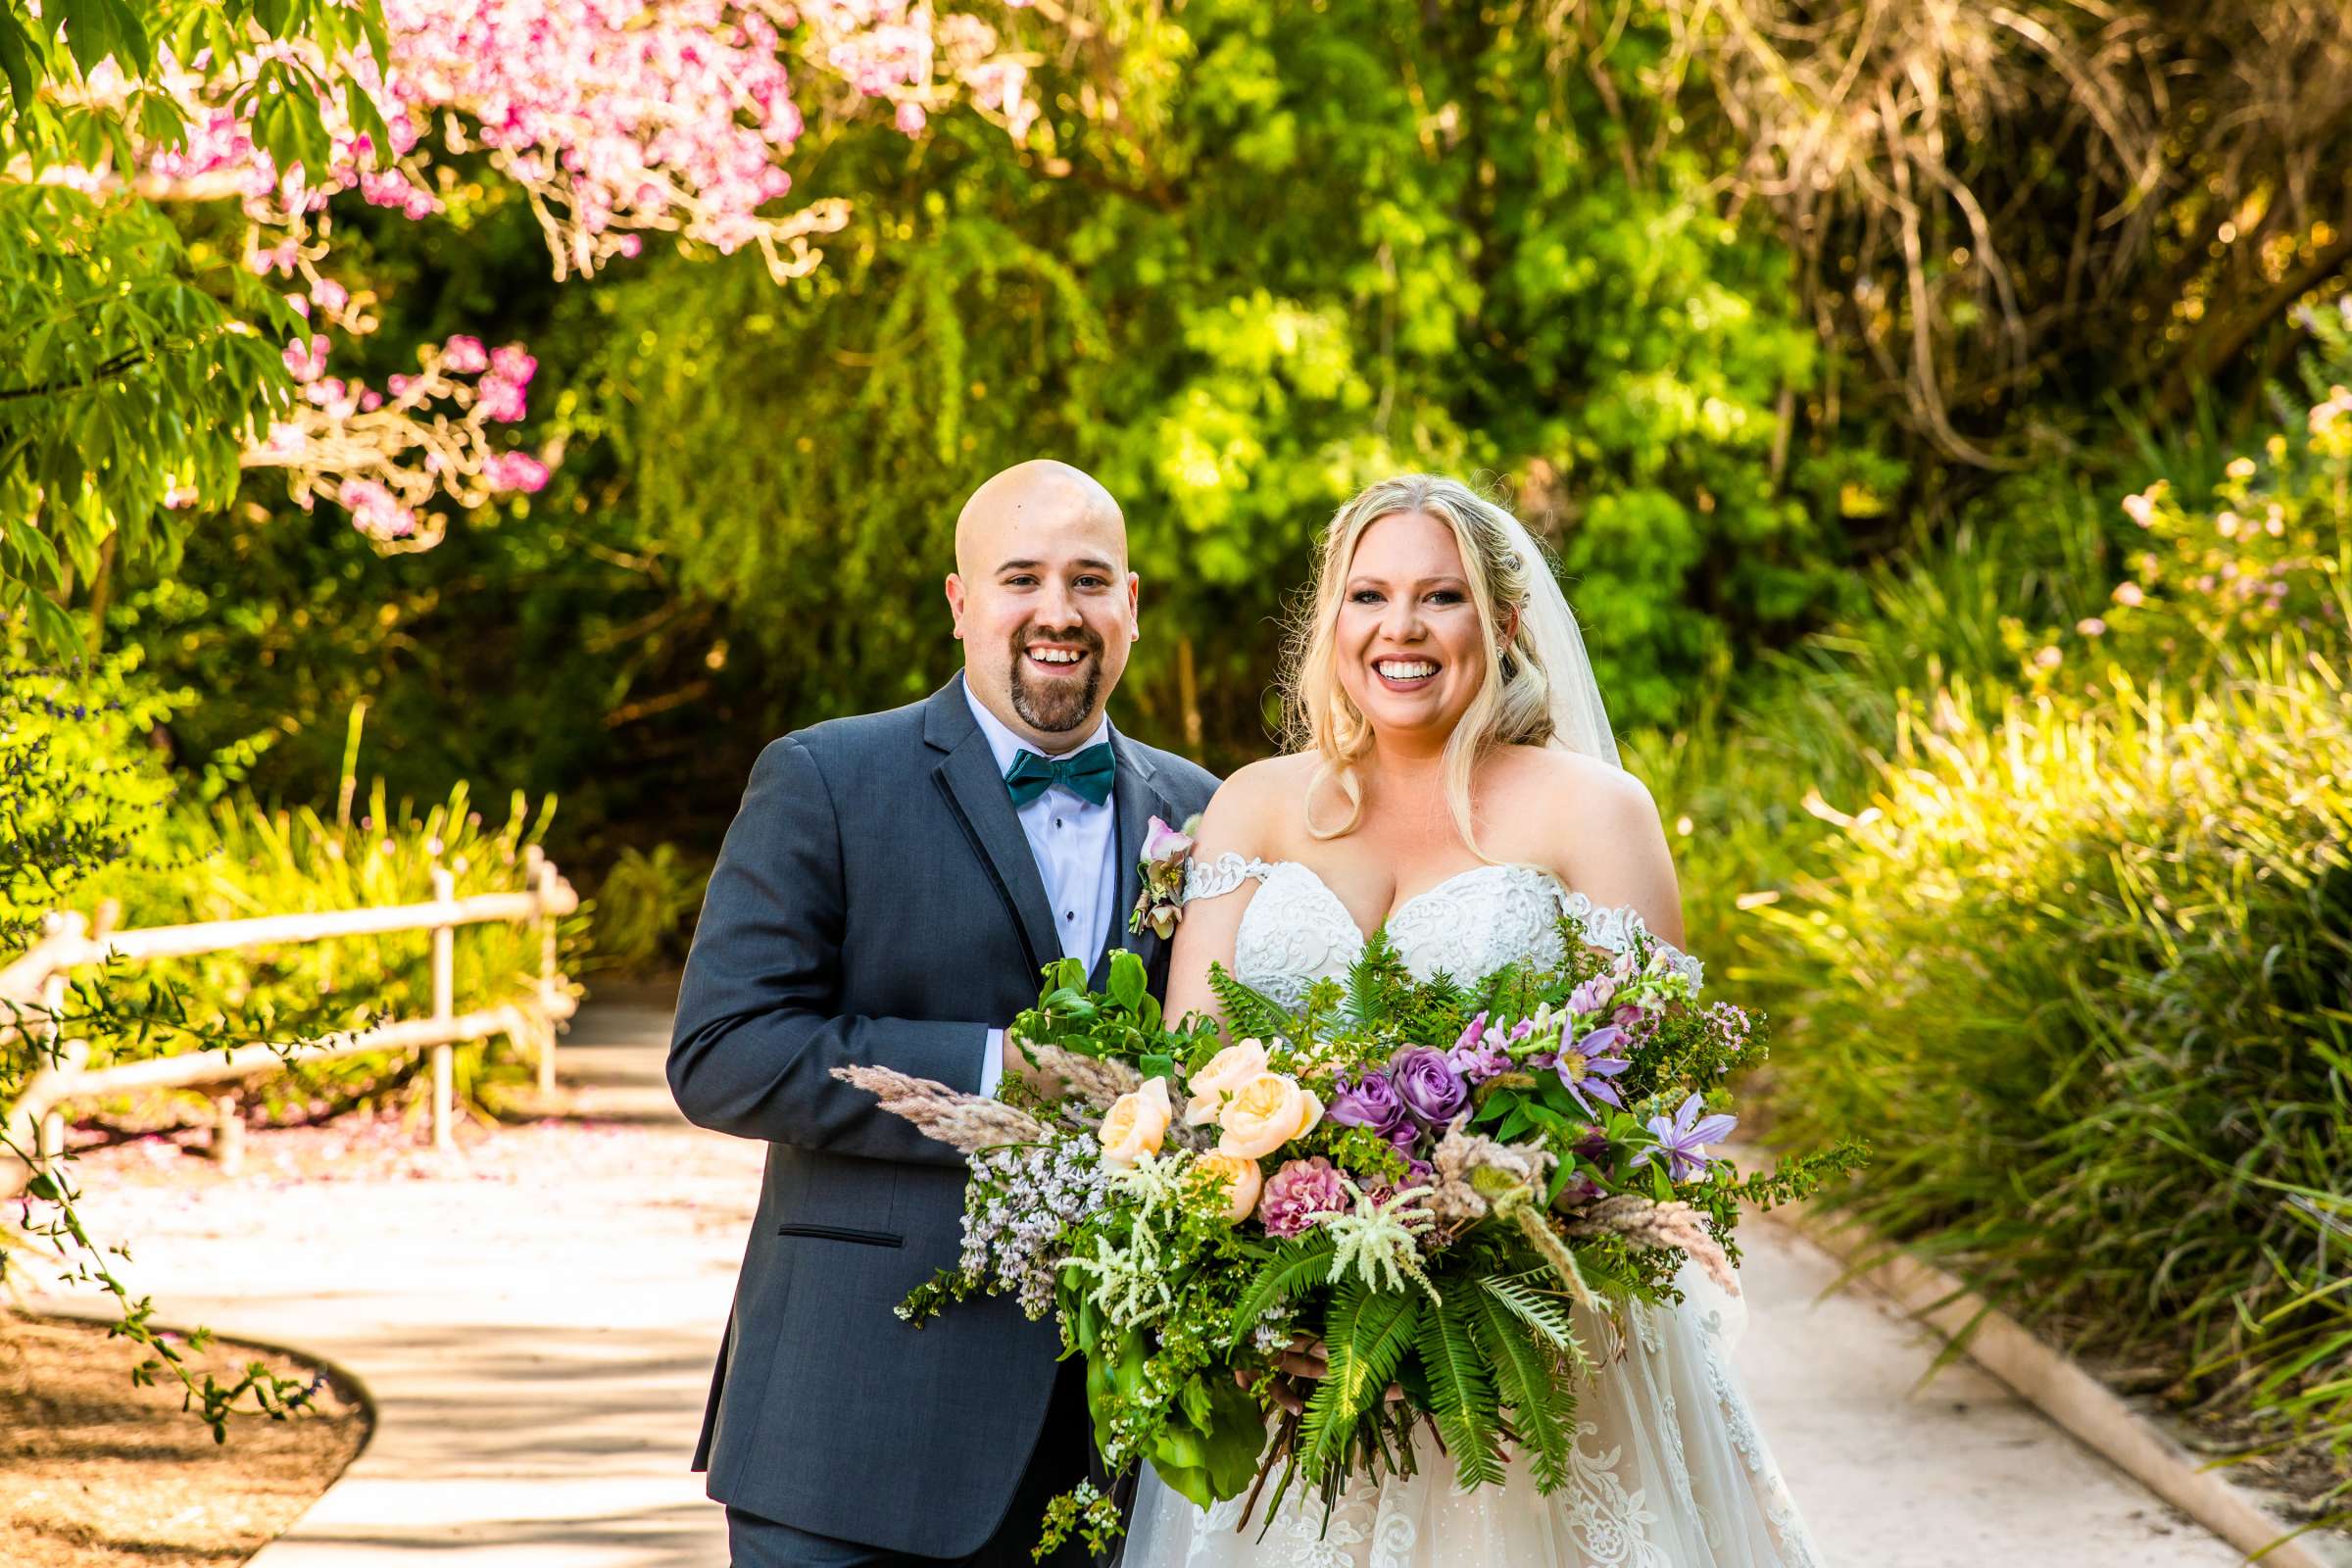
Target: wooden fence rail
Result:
[[33, 986]]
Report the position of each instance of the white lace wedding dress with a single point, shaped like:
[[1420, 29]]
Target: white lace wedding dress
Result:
[[1669, 1469]]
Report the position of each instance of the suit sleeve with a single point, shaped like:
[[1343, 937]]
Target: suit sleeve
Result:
[[758, 1036]]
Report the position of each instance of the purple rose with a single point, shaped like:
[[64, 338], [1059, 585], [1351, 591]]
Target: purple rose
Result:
[[1431, 1089], [1372, 1104]]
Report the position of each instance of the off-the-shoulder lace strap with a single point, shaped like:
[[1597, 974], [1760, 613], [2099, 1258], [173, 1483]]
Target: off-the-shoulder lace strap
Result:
[[1208, 879], [1614, 925]]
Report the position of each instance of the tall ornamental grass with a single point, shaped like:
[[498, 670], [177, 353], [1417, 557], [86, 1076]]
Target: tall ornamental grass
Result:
[[2081, 974], [2075, 955]]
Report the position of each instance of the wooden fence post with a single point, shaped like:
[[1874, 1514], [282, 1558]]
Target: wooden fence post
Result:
[[445, 991], [228, 1133], [542, 877], [49, 1139]]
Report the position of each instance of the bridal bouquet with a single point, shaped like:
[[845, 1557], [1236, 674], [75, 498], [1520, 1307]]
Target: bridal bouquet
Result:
[[1420, 1176]]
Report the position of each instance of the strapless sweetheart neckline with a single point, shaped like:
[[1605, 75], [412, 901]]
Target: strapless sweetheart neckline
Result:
[[1298, 929], [1435, 889]]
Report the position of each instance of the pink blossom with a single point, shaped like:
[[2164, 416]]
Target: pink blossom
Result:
[[516, 471], [331, 295], [463, 355], [512, 363], [499, 398], [306, 362], [912, 118], [1300, 1194], [375, 510]]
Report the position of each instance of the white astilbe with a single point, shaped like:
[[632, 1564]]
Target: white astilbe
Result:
[[1132, 1276], [1380, 1243], [969, 1122]]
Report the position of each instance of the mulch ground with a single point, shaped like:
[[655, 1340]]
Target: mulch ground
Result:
[[96, 1472]]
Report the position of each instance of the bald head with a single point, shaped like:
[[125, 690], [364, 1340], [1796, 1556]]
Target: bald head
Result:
[[1042, 600], [1026, 495]]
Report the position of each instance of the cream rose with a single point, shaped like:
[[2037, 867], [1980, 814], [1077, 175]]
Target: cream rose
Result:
[[1243, 1182], [1136, 1123], [1226, 1072], [1265, 1114]]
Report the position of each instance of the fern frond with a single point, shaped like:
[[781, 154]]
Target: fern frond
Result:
[[1543, 1410], [1295, 1266], [1248, 1011], [1538, 1309], [1366, 1339], [1461, 1394]]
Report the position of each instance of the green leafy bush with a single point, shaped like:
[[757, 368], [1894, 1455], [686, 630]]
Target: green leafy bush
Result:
[[2078, 968], [646, 907]]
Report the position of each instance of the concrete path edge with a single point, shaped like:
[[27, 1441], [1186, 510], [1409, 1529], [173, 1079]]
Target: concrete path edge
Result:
[[2072, 1397]]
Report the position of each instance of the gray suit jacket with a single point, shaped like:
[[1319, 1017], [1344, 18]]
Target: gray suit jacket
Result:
[[875, 901]]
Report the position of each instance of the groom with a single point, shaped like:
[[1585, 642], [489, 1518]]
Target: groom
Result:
[[889, 888]]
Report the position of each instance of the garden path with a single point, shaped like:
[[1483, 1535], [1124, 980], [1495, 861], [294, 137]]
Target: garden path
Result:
[[535, 1324]]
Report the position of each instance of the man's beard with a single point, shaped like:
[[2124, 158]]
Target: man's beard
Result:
[[1060, 708]]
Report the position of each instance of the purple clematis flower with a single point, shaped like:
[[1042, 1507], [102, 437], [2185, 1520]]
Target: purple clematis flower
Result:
[[1684, 1138], [1372, 1104], [1586, 1068]]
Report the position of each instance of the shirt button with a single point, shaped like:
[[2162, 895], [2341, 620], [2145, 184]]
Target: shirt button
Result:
[[1057, 821], [1069, 915]]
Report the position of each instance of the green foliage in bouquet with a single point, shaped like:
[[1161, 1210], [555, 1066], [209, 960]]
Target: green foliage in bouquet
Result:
[[1428, 1177]]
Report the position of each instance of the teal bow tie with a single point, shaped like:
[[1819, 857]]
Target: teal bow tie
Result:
[[1085, 774]]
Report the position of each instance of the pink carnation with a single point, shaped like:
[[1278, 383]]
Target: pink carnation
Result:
[[1300, 1194]]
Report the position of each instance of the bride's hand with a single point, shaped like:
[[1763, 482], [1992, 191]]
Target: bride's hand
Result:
[[1305, 1358]]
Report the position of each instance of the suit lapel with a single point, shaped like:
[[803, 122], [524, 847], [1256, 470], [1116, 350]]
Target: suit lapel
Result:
[[1135, 794], [975, 793]]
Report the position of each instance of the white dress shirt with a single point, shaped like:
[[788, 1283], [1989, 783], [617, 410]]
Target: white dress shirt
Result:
[[1076, 848]]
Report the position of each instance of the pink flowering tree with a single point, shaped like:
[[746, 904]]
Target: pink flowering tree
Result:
[[616, 119]]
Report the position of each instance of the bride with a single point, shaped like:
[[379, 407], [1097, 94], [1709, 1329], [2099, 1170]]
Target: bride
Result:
[[1455, 781]]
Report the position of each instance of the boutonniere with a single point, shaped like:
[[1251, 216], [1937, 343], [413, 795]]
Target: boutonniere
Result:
[[1161, 871]]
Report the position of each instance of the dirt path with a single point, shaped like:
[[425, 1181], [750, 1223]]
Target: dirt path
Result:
[[536, 1327]]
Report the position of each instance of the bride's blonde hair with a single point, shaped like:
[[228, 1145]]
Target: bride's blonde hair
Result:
[[1515, 702]]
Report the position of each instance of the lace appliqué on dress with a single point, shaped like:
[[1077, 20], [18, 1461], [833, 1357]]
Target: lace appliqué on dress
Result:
[[1212, 879], [1614, 926]]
